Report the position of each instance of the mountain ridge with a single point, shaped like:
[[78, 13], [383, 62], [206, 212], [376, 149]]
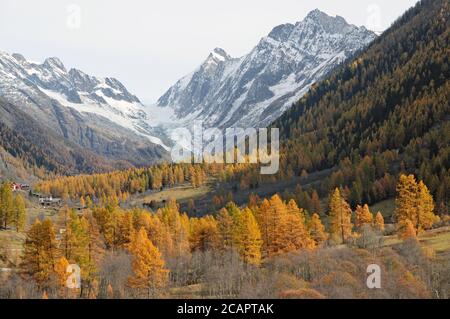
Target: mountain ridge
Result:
[[257, 88], [93, 117]]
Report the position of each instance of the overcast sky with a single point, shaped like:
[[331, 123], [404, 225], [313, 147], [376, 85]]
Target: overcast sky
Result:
[[149, 45]]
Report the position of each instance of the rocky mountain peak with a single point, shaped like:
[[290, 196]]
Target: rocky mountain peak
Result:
[[82, 81], [19, 57], [330, 24], [257, 88], [217, 56], [54, 63], [282, 32], [41, 85], [317, 15]]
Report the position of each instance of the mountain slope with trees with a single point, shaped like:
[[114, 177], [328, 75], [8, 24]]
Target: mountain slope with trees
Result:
[[42, 151], [383, 113]]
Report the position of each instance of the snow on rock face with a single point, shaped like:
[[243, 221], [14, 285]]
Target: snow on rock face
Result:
[[28, 83], [257, 88]]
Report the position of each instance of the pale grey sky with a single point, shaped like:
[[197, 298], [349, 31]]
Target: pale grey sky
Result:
[[148, 45]]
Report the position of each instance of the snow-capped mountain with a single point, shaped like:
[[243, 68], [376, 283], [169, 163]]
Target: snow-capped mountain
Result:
[[97, 114], [254, 90], [106, 97]]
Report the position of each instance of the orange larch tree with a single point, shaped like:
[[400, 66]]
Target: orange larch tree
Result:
[[317, 230], [149, 273], [340, 217], [363, 216]]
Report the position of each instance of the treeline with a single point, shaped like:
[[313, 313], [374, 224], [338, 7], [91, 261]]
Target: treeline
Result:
[[41, 153], [119, 185], [160, 245], [33, 159]]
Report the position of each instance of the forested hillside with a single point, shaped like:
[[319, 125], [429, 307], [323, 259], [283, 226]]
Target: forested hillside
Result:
[[268, 249], [25, 151], [41, 151], [385, 112]]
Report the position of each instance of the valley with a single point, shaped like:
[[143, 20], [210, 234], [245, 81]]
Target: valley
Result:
[[87, 180]]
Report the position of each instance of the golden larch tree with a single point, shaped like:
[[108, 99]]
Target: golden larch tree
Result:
[[6, 204], [378, 222], [297, 235], [94, 250], [317, 229], [414, 203], [340, 217], [149, 273], [363, 216], [262, 217], [157, 232], [273, 222], [204, 234], [407, 230], [40, 252], [225, 229], [61, 275], [75, 241], [248, 238], [425, 208], [406, 200], [19, 212], [178, 225]]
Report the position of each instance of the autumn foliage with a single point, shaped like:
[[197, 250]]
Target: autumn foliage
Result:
[[414, 210]]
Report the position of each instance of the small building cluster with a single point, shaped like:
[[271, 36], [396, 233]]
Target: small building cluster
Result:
[[19, 187], [46, 200], [49, 201]]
